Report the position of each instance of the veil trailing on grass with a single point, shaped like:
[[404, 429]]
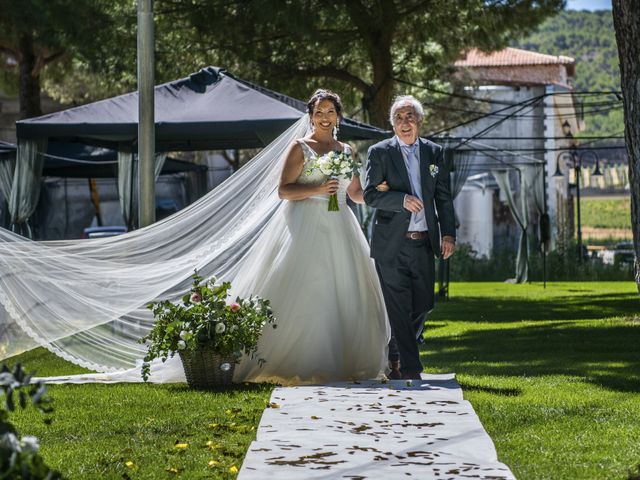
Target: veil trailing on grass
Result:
[[85, 300]]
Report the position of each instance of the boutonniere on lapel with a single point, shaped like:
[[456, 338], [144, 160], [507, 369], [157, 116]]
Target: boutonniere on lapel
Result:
[[433, 170]]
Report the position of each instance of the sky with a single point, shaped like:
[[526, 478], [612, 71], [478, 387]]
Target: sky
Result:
[[589, 5]]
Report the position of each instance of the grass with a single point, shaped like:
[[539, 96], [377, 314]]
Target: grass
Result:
[[553, 374], [131, 430], [603, 212]]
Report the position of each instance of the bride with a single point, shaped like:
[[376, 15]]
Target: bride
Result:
[[324, 289], [85, 301]]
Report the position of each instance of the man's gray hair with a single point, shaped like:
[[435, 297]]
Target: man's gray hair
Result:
[[406, 101]]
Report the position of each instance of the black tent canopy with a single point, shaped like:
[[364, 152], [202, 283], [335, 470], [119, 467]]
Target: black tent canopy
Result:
[[208, 110], [74, 160]]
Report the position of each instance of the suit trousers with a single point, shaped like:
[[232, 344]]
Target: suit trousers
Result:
[[407, 285]]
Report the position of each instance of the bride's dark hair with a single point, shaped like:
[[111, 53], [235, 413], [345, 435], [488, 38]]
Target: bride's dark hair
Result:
[[322, 94]]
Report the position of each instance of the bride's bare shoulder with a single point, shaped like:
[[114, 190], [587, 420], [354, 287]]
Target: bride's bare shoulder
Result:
[[295, 152]]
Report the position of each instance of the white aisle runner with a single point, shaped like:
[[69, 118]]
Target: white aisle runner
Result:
[[372, 430]]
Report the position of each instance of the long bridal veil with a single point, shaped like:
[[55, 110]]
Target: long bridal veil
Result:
[[85, 300]]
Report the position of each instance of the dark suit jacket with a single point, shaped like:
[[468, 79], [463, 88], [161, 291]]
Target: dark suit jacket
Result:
[[391, 220]]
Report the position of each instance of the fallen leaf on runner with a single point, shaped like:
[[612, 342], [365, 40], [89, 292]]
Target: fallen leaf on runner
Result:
[[313, 417], [273, 405]]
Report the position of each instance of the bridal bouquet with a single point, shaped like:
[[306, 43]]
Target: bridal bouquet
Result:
[[336, 164], [206, 319]]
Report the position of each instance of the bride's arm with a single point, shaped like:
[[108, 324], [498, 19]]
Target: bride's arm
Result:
[[355, 190], [288, 189]]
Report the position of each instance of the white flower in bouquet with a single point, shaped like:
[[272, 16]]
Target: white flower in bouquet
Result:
[[182, 344], [325, 165], [220, 327], [186, 335], [336, 165]]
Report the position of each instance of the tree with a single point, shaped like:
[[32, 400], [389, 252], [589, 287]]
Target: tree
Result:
[[361, 48], [36, 33], [626, 20], [589, 37], [355, 45]]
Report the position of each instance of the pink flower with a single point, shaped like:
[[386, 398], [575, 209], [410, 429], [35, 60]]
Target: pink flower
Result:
[[196, 297], [235, 307]]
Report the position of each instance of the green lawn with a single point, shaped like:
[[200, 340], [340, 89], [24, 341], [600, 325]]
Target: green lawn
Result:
[[603, 212], [131, 430], [553, 374]]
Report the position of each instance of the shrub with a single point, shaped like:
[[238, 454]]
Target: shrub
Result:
[[19, 456], [206, 318]]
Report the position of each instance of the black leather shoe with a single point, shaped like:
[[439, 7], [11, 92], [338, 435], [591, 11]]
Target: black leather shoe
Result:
[[395, 373], [411, 376]]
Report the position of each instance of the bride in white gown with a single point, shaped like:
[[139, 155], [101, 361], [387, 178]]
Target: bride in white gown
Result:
[[86, 302], [324, 289]]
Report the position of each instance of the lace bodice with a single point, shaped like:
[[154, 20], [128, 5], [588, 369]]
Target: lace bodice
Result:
[[316, 177]]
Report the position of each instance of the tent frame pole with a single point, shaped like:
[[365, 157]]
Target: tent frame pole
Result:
[[146, 120]]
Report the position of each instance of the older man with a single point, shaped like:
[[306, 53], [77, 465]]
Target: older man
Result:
[[407, 182]]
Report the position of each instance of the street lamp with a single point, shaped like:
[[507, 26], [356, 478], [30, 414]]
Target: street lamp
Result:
[[574, 160]]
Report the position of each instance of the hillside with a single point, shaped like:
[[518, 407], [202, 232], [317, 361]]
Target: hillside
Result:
[[588, 37]]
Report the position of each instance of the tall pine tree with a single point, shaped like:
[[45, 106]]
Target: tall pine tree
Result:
[[626, 19]]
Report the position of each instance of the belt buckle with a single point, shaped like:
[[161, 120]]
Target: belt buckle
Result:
[[415, 236]]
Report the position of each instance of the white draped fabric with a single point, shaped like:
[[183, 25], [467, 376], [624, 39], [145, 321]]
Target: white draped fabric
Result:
[[25, 189], [520, 212], [128, 179], [85, 300]]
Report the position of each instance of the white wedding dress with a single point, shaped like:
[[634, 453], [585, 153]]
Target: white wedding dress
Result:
[[311, 263], [324, 289]]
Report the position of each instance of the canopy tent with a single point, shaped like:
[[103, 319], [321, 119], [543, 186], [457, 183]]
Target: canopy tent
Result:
[[74, 160], [208, 110]]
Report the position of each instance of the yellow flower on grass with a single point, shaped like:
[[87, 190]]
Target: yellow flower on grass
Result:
[[181, 446], [233, 469], [129, 464], [213, 463], [171, 470]]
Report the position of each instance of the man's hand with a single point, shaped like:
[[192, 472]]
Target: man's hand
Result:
[[413, 204], [448, 246]]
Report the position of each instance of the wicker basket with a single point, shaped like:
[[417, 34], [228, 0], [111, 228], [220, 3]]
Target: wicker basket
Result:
[[205, 368]]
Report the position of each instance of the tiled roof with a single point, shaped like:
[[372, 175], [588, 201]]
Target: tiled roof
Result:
[[510, 57]]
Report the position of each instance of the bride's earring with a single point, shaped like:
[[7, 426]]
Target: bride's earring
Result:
[[335, 131]]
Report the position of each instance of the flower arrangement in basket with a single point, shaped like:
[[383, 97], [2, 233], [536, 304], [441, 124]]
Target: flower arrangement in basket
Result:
[[335, 164], [209, 333]]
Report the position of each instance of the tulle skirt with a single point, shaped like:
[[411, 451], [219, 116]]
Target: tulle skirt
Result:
[[331, 321], [315, 268]]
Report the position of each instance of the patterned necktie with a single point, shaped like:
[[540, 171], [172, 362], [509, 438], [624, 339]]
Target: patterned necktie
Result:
[[414, 169], [414, 178]]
